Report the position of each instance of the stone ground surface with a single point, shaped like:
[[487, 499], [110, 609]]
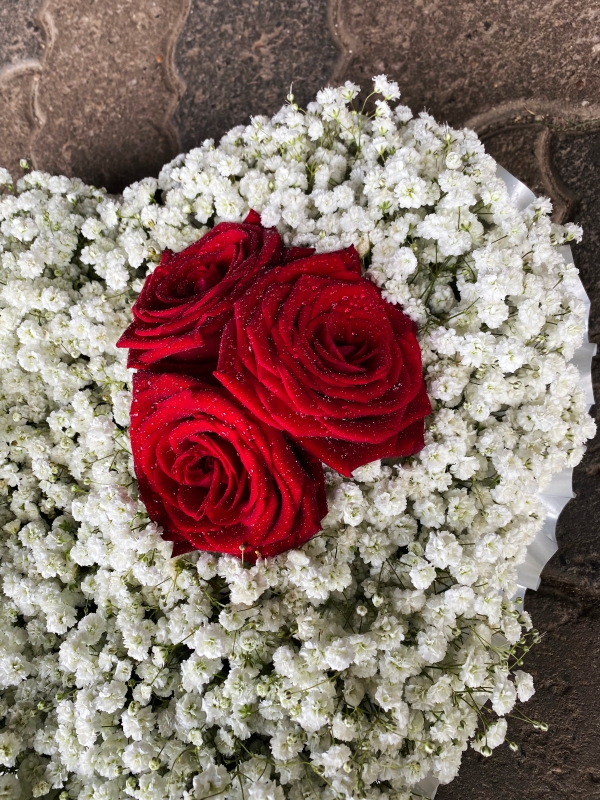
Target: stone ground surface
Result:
[[110, 89]]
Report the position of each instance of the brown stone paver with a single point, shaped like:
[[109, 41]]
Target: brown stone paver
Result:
[[106, 94], [480, 60], [21, 37], [17, 118], [576, 158], [516, 149], [238, 59], [21, 46]]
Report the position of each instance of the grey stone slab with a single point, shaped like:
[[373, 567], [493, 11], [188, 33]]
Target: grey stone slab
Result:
[[238, 59]]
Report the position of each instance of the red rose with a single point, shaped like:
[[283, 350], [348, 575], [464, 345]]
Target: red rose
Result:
[[184, 304], [215, 477], [314, 350]]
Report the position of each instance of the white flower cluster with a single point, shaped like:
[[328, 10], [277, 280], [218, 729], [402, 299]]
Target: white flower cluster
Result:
[[371, 657]]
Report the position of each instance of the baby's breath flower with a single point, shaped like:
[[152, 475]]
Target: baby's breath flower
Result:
[[151, 677]]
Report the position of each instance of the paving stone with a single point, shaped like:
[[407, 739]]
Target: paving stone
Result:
[[465, 60], [21, 45], [21, 37], [17, 122], [238, 59], [516, 149], [105, 94], [576, 158]]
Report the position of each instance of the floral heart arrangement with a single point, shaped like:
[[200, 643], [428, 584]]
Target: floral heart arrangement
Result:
[[279, 559]]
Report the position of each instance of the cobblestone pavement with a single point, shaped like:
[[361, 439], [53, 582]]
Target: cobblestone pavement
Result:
[[110, 89]]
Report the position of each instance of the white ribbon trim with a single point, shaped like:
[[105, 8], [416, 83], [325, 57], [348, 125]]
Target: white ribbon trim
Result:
[[560, 489]]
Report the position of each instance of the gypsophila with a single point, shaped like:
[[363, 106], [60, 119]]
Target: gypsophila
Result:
[[371, 657]]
